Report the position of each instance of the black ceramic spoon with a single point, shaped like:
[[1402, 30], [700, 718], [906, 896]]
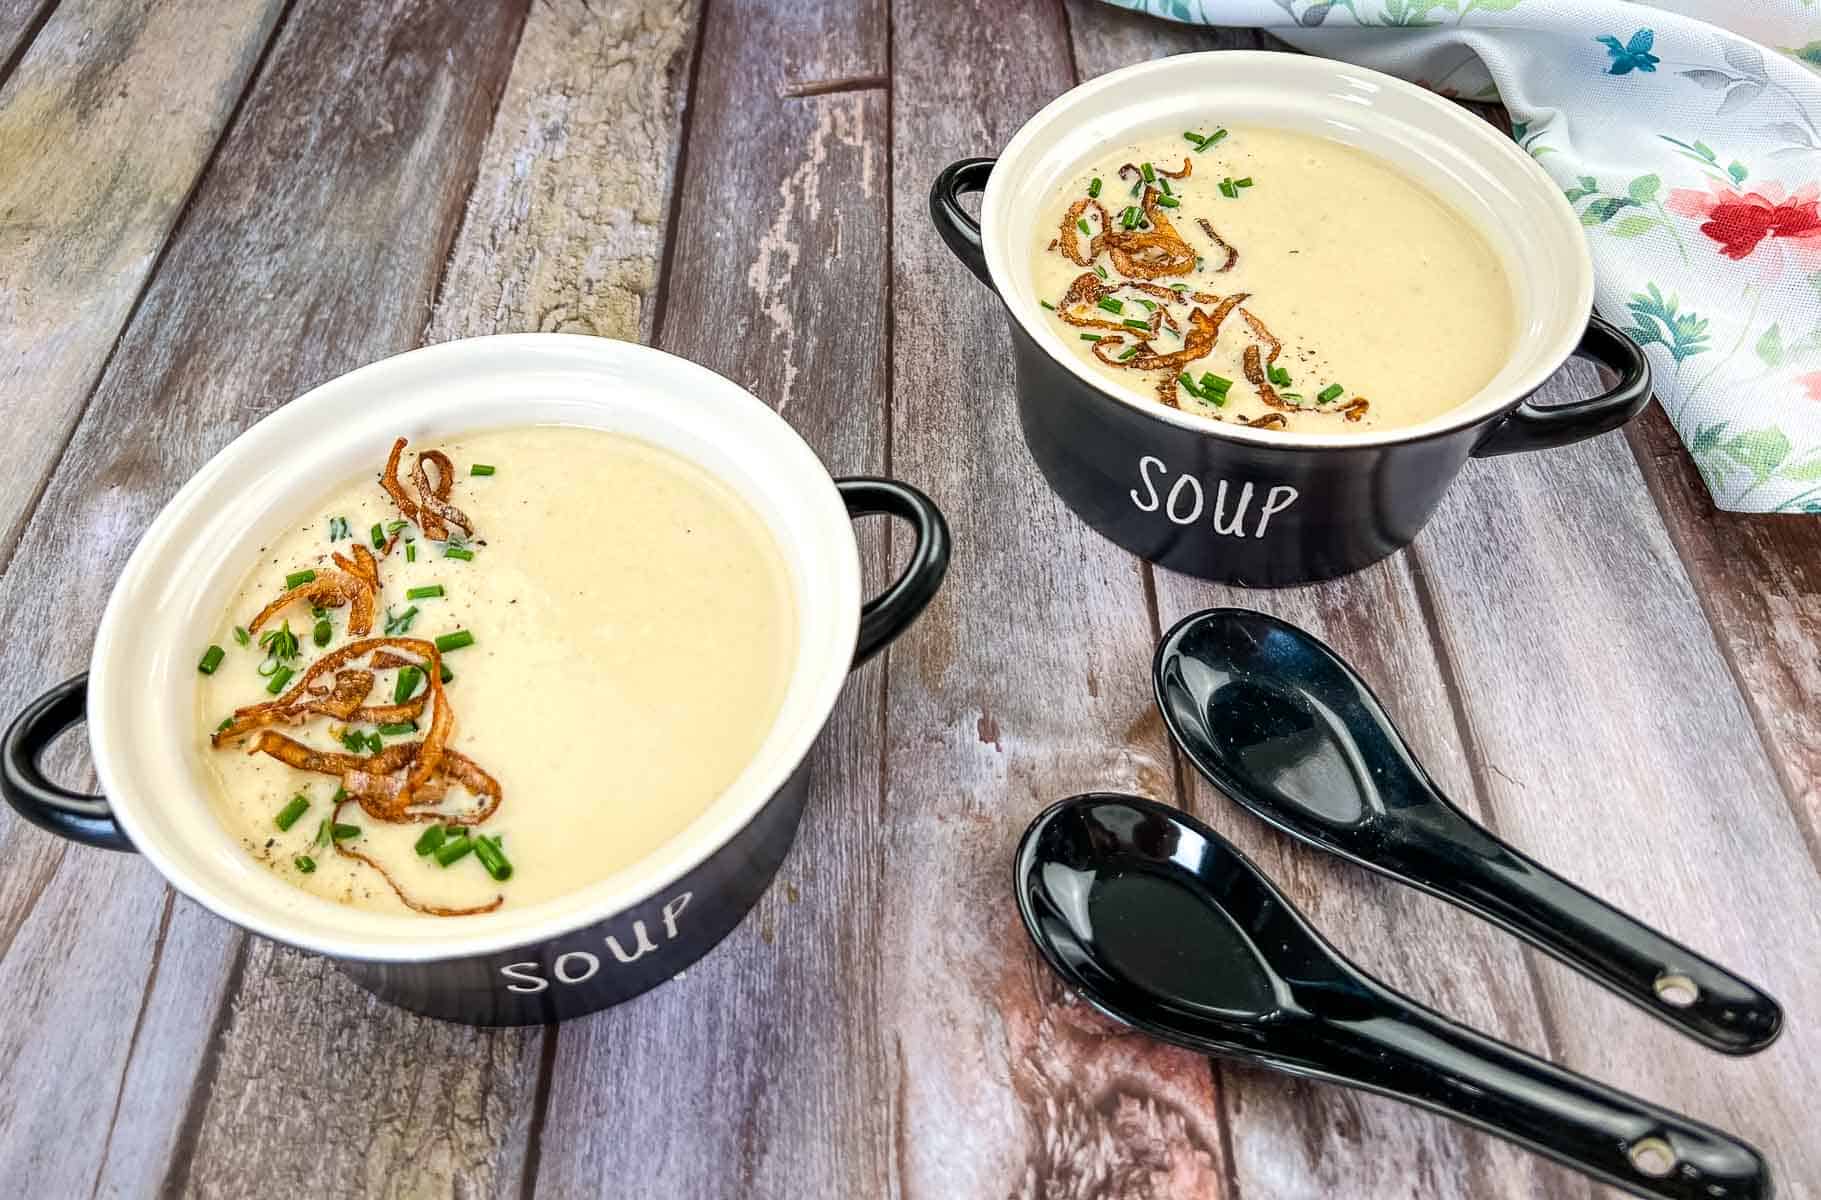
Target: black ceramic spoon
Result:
[[1282, 724], [1162, 925]]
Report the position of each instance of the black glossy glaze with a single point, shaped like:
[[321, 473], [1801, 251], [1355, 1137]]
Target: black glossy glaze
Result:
[[587, 969], [1164, 926], [1283, 725], [1203, 503]]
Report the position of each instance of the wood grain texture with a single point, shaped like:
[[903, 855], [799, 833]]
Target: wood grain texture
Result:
[[18, 20], [764, 1066], [1028, 683], [104, 126], [565, 228], [1290, 1137], [314, 246], [1759, 578], [1617, 749]]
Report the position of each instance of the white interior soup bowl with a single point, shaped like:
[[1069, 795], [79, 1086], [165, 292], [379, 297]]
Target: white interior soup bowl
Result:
[[545, 961], [1259, 506]]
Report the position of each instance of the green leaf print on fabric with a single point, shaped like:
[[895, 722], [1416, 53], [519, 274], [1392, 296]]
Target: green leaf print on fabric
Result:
[[1640, 203], [1770, 346], [1659, 321]]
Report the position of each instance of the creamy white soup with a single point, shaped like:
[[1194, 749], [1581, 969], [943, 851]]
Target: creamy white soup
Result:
[[1272, 279], [616, 631]]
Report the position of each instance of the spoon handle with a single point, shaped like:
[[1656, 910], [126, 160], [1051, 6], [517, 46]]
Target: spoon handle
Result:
[[1664, 977], [1400, 1049]]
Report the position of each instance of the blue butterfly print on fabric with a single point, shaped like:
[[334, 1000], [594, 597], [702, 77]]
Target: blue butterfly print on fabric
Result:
[[1635, 55]]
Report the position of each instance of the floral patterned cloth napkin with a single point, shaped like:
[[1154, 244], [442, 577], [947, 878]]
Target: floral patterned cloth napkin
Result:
[[1687, 135]]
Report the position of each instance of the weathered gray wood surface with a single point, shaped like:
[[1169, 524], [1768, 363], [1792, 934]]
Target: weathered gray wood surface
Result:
[[1586, 655]]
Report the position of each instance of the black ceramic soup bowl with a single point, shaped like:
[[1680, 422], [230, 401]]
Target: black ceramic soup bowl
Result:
[[545, 961], [1263, 507]]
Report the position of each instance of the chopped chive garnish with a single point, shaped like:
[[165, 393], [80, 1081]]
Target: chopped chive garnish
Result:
[[1183, 287], [304, 864], [1211, 382], [1188, 384], [279, 678], [448, 676], [1195, 138], [1090, 337], [287, 816], [481, 469], [341, 793], [225, 722], [1130, 350], [374, 744], [1246, 182], [458, 552], [1216, 136], [1227, 189], [398, 728], [1149, 306], [318, 611], [1168, 202], [453, 849], [401, 623], [241, 635], [379, 536], [1111, 305], [1328, 393], [1135, 323], [1047, 304], [299, 578], [322, 633], [342, 833], [1081, 223], [427, 592], [408, 678], [1094, 188], [454, 641], [1100, 270], [493, 858], [1165, 185], [338, 528], [1278, 375], [211, 658], [410, 551], [1137, 187], [1149, 173], [322, 833], [429, 840], [354, 740]]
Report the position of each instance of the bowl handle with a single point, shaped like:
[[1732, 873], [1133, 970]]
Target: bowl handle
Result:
[[891, 612], [1531, 427], [72, 815], [958, 229]]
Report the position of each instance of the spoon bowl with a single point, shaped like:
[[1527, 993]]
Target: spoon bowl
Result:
[[1280, 723], [1164, 926]]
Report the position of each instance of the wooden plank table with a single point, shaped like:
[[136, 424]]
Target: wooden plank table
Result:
[[205, 210]]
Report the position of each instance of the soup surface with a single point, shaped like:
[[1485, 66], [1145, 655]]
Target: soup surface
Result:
[[1370, 302], [633, 634]]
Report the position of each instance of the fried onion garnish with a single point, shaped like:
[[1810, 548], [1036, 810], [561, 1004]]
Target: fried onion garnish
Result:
[[1231, 253], [434, 910], [1268, 421], [1187, 167], [1255, 375], [1066, 240], [1264, 335], [1204, 331], [431, 509], [1149, 253], [329, 589], [1356, 408]]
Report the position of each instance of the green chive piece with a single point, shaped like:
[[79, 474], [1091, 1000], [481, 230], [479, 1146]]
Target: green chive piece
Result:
[[1082, 224], [299, 578], [410, 551], [1278, 375], [1188, 385], [225, 722], [287, 816], [354, 740], [398, 728], [1196, 138], [1164, 183], [322, 633], [408, 678], [1227, 189], [448, 676], [1216, 136], [481, 469], [211, 658], [1100, 270], [1246, 182], [1149, 306], [279, 678], [1149, 173], [453, 849], [1183, 287], [241, 635], [1090, 337], [1135, 323], [429, 840], [342, 833], [1111, 305], [1047, 304], [458, 552], [379, 536], [338, 528], [304, 864], [1094, 188], [1130, 351], [1211, 382], [454, 641], [396, 625], [1331, 392], [341, 793], [374, 744], [1168, 202], [493, 858], [322, 833]]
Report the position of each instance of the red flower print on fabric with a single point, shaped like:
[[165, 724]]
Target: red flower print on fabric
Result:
[[1740, 221]]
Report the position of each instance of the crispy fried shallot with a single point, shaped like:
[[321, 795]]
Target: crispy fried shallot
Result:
[[1264, 335], [1356, 408], [434, 910], [1149, 253], [1268, 421], [1204, 330], [1187, 167], [431, 509], [1067, 243], [1255, 375], [329, 589], [1231, 253]]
